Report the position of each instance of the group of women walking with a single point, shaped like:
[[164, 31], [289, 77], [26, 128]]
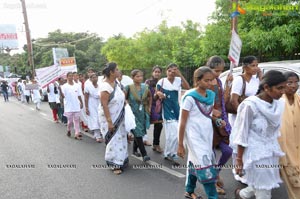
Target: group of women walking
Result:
[[263, 137], [260, 133]]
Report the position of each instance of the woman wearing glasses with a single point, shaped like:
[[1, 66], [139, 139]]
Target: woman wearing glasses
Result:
[[290, 136]]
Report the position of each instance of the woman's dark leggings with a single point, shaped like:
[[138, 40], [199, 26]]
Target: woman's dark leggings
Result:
[[27, 98], [138, 143], [156, 133]]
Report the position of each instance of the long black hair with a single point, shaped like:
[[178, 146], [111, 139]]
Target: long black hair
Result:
[[199, 73], [271, 78], [290, 74], [110, 67], [215, 61], [153, 81]]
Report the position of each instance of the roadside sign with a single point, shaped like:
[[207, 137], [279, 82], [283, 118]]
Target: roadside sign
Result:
[[235, 49]]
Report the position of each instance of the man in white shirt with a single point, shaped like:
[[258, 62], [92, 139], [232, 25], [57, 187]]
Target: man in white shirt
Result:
[[72, 104]]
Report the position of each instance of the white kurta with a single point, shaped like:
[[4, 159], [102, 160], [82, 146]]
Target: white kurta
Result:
[[198, 135], [71, 101], [51, 94], [36, 96], [93, 104], [257, 129], [237, 85]]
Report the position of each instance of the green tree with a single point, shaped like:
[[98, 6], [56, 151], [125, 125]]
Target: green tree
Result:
[[85, 47], [268, 34]]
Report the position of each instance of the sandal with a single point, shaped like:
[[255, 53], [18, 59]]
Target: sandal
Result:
[[157, 149], [220, 182], [220, 190], [192, 196], [77, 138], [147, 143], [137, 154], [117, 171], [69, 133], [237, 194]]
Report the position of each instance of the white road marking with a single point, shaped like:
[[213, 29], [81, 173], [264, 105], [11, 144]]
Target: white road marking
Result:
[[43, 114], [162, 167], [87, 134]]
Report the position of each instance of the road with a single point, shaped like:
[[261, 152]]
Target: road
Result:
[[38, 161]]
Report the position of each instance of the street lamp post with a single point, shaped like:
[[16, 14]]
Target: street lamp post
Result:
[[28, 38]]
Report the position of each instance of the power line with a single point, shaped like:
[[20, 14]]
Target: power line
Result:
[[147, 7], [59, 44]]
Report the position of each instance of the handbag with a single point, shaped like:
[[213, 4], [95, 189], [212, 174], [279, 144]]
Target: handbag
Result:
[[228, 105], [129, 119], [158, 106], [205, 175], [158, 103]]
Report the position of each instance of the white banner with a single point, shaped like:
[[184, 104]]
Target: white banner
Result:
[[47, 75], [235, 49], [8, 36], [65, 69], [31, 86]]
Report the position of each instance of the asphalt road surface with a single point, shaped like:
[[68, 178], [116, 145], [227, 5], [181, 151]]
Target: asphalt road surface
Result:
[[38, 161]]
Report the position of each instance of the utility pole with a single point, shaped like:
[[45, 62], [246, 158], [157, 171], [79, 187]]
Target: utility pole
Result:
[[28, 38]]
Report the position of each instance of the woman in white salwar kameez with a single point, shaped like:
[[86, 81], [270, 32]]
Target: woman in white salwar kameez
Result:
[[196, 132], [168, 90], [91, 97], [83, 115], [36, 96], [111, 113], [256, 141]]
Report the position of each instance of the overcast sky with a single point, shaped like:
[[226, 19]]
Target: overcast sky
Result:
[[106, 18]]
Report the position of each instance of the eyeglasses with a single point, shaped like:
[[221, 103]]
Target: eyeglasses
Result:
[[291, 83]]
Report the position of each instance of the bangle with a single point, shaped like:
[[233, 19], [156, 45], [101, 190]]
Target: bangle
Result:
[[238, 158], [108, 119], [218, 122]]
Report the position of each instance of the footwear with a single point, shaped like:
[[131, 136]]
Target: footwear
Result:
[[220, 182], [130, 137], [220, 190], [175, 160], [77, 137], [137, 154], [117, 171], [69, 133], [237, 194], [147, 143], [146, 158], [219, 186], [168, 158], [86, 130], [99, 140], [192, 195], [241, 179], [172, 159], [157, 148]]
